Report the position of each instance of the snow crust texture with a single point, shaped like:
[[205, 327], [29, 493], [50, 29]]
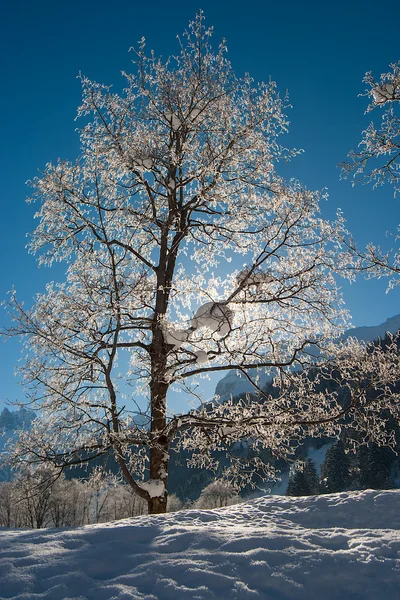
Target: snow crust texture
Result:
[[341, 546]]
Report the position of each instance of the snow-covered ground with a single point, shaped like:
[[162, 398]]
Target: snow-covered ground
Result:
[[343, 546]]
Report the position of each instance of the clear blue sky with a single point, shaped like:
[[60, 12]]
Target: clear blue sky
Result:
[[318, 51]]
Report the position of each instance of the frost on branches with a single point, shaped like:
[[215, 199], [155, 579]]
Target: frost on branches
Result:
[[377, 161], [175, 185], [379, 146]]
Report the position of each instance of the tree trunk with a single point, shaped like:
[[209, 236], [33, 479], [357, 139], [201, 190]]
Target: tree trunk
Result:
[[159, 461], [159, 449], [158, 505]]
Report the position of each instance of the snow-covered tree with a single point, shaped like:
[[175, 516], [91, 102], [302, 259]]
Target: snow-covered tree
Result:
[[7, 504], [34, 493], [377, 161], [217, 494], [186, 254], [174, 503]]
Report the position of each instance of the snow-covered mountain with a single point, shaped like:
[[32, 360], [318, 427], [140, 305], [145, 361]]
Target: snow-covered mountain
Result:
[[336, 547], [368, 334], [235, 383], [11, 421], [16, 419]]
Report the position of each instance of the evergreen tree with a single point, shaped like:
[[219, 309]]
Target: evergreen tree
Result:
[[336, 469], [375, 464], [304, 482], [311, 477]]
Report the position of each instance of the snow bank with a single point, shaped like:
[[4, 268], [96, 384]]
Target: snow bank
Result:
[[341, 546]]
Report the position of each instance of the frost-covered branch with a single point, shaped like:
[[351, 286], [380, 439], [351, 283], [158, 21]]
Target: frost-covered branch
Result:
[[377, 161], [379, 145]]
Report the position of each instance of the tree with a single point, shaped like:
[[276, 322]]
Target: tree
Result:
[[375, 466], [336, 469], [304, 481], [217, 494], [176, 178], [34, 493], [380, 147], [7, 504]]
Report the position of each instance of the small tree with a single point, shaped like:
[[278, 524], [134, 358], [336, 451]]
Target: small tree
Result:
[[174, 503], [217, 494], [176, 179]]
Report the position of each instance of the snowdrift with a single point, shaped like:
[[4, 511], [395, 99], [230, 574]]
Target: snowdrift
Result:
[[342, 546]]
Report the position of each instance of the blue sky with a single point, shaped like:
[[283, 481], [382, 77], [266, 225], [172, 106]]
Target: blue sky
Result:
[[318, 51]]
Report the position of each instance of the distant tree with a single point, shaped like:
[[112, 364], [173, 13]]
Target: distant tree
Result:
[[336, 469], [311, 476], [7, 504], [181, 166], [64, 503], [217, 494], [304, 481], [33, 490], [375, 467], [174, 503]]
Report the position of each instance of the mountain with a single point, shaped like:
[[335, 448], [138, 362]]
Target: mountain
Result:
[[17, 419], [368, 334], [235, 383], [11, 421]]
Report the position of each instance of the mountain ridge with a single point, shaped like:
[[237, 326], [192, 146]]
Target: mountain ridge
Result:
[[234, 383]]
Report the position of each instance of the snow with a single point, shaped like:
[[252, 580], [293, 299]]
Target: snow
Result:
[[235, 383], [201, 357], [382, 93], [154, 487], [173, 119], [216, 316], [370, 333], [145, 162], [338, 546], [175, 337], [195, 113]]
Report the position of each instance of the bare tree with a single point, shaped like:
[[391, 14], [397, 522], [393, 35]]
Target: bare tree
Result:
[[33, 491], [175, 182], [7, 504], [377, 161]]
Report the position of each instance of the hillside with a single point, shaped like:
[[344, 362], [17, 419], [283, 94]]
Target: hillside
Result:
[[338, 546]]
